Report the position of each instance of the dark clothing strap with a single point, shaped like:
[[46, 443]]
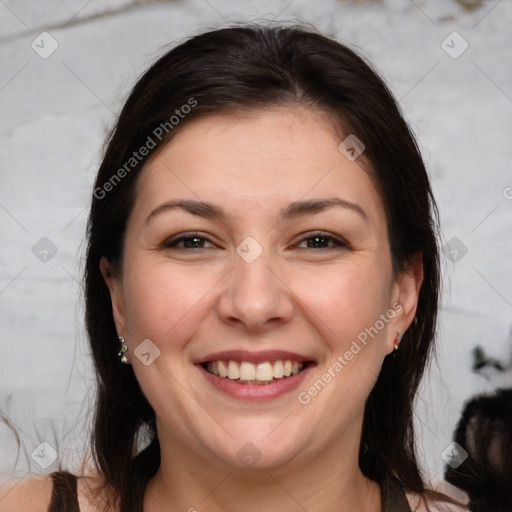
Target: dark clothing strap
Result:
[[65, 496], [393, 496]]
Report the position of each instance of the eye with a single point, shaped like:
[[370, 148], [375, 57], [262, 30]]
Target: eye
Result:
[[189, 240], [322, 240], [314, 241]]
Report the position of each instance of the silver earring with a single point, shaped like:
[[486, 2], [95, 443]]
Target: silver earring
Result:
[[123, 351], [398, 338]]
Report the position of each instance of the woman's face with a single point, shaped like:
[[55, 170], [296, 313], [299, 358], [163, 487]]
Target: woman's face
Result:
[[256, 247]]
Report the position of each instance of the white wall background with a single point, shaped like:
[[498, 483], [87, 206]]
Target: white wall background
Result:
[[54, 115]]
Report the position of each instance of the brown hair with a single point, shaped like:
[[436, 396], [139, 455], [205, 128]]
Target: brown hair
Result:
[[233, 69]]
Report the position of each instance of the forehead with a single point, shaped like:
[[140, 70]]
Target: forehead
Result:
[[257, 159]]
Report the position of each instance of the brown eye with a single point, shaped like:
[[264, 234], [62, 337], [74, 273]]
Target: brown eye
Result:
[[189, 241], [322, 241]]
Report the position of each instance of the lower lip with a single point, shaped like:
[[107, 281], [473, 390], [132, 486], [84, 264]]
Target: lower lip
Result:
[[256, 391]]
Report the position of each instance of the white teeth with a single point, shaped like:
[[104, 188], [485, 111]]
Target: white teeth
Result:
[[223, 371], [233, 370], [249, 372], [278, 370], [264, 371], [288, 368]]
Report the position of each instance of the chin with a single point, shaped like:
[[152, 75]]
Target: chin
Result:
[[260, 448]]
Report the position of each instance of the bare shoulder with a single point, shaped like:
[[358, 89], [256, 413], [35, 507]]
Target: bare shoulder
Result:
[[91, 496], [26, 494], [428, 504], [34, 494]]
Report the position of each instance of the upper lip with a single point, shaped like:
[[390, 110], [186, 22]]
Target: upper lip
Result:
[[253, 357]]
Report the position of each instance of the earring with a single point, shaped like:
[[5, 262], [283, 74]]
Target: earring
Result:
[[398, 339], [122, 351]]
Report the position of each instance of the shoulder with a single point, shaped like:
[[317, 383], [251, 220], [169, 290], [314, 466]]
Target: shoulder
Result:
[[34, 494], [92, 496], [429, 504], [26, 495]]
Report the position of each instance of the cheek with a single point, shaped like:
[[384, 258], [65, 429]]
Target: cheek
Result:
[[347, 311], [158, 300], [345, 300]]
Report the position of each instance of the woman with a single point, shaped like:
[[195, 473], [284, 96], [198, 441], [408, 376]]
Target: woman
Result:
[[262, 243]]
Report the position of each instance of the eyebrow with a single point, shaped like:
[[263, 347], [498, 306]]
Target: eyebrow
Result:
[[293, 210]]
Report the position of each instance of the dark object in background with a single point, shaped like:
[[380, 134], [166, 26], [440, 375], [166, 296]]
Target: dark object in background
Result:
[[480, 360], [485, 433]]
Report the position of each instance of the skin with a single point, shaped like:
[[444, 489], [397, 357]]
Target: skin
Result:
[[315, 301]]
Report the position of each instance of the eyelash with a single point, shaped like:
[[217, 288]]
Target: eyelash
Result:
[[338, 243]]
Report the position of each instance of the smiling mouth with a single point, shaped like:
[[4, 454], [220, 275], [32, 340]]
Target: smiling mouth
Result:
[[244, 372]]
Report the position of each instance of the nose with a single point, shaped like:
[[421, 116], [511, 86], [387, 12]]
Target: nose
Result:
[[255, 296]]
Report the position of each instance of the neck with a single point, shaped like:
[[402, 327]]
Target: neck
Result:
[[327, 482]]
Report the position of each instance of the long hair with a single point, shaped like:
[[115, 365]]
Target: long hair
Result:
[[229, 70]]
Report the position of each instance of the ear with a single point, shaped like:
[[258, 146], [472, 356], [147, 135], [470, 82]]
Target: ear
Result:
[[405, 293], [114, 285]]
